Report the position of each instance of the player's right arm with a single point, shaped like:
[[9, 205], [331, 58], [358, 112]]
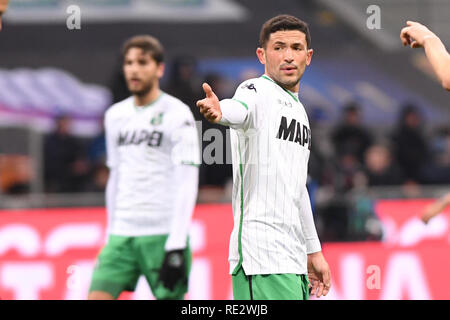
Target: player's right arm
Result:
[[435, 208], [417, 35], [111, 162], [235, 113]]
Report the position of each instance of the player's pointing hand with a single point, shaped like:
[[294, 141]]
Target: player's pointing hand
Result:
[[415, 34], [210, 106], [208, 91]]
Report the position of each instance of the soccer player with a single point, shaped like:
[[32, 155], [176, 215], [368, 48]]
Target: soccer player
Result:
[[274, 247], [3, 6], [153, 157], [418, 36], [435, 208]]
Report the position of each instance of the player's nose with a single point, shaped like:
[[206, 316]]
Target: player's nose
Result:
[[288, 56]]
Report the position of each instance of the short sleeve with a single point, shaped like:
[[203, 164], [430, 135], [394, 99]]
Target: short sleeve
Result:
[[247, 96]]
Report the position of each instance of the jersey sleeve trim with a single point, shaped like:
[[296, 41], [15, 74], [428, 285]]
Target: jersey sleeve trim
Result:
[[241, 102], [188, 163]]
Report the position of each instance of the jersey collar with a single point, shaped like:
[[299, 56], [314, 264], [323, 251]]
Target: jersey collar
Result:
[[148, 104], [290, 93]]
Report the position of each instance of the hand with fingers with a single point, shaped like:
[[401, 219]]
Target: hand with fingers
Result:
[[319, 274], [173, 269], [210, 106], [435, 208], [415, 34], [427, 214]]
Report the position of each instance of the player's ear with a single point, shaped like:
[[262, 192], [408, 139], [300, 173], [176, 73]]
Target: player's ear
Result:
[[261, 53], [309, 56], [161, 68]]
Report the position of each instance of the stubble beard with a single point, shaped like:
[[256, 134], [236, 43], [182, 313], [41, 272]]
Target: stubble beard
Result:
[[288, 83], [143, 91]]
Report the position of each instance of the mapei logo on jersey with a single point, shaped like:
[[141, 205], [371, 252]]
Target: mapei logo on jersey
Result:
[[295, 132], [249, 86], [284, 103], [152, 139], [157, 120]]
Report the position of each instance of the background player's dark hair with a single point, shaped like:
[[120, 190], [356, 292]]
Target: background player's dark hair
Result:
[[351, 107], [409, 108], [148, 44], [281, 23]]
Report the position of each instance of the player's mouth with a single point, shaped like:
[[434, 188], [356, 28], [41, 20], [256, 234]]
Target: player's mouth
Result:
[[288, 69], [135, 82]]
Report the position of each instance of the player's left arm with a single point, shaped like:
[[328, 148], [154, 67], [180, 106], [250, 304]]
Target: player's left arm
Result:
[[439, 59], [112, 160], [173, 269], [318, 270], [417, 35], [185, 156], [435, 208], [185, 197]]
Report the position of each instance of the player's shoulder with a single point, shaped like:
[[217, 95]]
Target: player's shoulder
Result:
[[119, 108], [176, 107], [255, 85]]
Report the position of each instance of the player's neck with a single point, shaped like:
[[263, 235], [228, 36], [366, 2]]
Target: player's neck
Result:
[[148, 98], [293, 89]]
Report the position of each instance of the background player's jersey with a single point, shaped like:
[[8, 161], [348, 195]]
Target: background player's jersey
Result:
[[143, 146], [270, 163]]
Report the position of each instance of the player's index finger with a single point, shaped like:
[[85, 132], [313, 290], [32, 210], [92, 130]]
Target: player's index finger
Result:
[[201, 103], [404, 31], [320, 290], [404, 36]]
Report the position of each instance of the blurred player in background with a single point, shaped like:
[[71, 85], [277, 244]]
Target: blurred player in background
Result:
[[153, 157], [435, 208], [274, 243], [418, 36], [3, 7]]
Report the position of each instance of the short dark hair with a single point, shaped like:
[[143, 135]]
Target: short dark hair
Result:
[[148, 44], [280, 23], [352, 107]]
